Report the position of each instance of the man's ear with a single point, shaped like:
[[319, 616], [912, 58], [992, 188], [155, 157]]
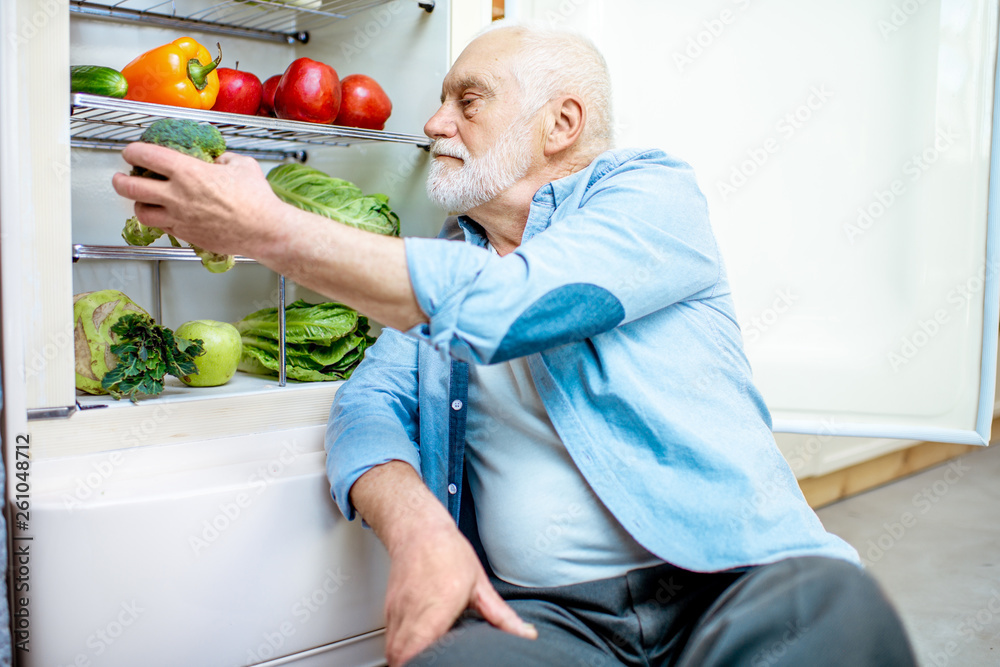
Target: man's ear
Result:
[[568, 118]]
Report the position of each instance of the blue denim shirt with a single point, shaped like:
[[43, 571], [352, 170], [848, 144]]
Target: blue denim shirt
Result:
[[618, 297]]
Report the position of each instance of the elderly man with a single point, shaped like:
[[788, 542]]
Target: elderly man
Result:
[[564, 453]]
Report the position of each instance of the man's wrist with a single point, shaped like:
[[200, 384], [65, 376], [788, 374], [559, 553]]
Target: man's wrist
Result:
[[399, 507], [272, 246]]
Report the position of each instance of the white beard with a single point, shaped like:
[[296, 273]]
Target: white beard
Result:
[[479, 179]]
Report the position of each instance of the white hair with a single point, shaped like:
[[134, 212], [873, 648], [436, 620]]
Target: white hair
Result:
[[551, 62]]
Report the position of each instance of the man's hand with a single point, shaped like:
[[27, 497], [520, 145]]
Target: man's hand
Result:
[[435, 574], [227, 206]]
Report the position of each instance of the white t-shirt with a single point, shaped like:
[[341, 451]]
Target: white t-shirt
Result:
[[540, 522]]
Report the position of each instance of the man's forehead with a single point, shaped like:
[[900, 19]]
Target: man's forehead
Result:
[[458, 81], [485, 63]]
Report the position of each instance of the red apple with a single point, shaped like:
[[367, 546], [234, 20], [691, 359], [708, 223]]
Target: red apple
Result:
[[239, 92], [363, 103], [308, 91], [267, 102]]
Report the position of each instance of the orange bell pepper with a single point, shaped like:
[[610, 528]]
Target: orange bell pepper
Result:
[[181, 74]]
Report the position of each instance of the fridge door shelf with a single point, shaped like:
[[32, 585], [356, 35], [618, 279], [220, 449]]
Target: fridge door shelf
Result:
[[108, 122], [176, 392], [283, 21]]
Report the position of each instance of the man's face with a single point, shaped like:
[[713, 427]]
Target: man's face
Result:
[[482, 141]]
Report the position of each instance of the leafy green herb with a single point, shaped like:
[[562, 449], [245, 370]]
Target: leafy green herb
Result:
[[147, 352]]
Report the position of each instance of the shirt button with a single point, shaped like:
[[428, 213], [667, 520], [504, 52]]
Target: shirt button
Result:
[[456, 404], [452, 489]]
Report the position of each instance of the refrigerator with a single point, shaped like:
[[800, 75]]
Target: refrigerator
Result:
[[847, 151]]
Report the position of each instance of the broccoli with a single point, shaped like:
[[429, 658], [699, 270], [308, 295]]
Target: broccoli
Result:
[[204, 142], [214, 262], [136, 233]]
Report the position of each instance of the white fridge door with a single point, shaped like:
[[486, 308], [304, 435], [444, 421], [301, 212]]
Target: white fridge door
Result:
[[216, 553], [845, 150]]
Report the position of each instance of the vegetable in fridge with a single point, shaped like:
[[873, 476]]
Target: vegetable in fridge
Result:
[[180, 74], [202, 141], [97, 80], [120, 350], [323, 341], [136, 233], [312, 190]]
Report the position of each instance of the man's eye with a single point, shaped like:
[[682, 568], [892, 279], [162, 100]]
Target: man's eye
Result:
[[469, 105]]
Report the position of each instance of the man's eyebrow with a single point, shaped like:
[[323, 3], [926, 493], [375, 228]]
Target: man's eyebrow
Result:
[[471, 82]]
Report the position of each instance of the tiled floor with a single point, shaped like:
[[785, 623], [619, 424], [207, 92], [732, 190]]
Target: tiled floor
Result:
[[933, 541]]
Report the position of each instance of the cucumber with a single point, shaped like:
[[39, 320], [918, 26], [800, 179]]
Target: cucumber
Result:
[[97, 80]]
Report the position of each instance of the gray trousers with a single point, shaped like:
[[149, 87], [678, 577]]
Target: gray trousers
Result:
[[801, 611]]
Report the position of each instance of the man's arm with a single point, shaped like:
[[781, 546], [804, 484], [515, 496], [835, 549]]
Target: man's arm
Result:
[[372, 458], [620, 246], [229, 207], [435, 574]]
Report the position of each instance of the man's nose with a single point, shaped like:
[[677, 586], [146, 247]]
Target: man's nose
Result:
[[441, 125]]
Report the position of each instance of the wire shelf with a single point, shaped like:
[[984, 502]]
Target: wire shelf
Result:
[[287, 21], [143, 253], [107, 122]]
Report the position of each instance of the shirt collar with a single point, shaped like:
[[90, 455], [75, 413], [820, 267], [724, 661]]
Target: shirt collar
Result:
[[543, 204]]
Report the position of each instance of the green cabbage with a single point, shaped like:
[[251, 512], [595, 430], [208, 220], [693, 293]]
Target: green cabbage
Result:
[[322, 341], [314, 191]]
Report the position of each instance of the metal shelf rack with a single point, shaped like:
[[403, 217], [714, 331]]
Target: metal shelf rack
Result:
[[147, 253], [284, 21], [108, 122]]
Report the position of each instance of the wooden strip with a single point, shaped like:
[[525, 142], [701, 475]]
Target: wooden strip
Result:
[[825, 489]]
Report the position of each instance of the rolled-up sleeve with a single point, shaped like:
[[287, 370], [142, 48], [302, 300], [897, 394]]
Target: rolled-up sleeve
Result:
[[637, 241], [374, 416]]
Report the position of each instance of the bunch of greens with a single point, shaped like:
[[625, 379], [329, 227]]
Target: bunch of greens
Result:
[[202, 141], [314, 191], [323, 341], [147, 353]]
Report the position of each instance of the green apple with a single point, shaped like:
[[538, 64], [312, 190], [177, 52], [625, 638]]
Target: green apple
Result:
[[223, 348]]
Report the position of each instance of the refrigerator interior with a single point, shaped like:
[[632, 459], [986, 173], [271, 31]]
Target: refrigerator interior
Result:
[[195, 527], [402, 46]]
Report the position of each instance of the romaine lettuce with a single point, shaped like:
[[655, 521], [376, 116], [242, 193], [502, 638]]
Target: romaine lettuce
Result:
[[323, 342]]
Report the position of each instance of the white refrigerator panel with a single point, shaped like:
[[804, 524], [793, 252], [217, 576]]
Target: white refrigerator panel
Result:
[[845, 152], [218, 553]]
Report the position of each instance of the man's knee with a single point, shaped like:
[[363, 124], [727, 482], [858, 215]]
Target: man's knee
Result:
[[833, 581], [841, 605]]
